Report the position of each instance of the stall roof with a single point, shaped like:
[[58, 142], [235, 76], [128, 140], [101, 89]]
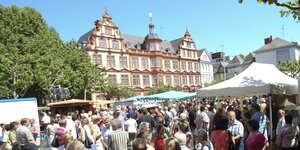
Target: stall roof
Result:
[[72, 102], [170, 95]]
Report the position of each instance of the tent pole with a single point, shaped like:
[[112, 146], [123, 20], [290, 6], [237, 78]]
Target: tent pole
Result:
[[271, 119]]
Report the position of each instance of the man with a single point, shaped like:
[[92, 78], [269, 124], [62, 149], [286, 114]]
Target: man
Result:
[[202, 119], [24, 136], [106, 129], [281, 121], [118, 139], [237, 130], [45, 120], [71, 126], [146, 118], [35, 130], [192, 116]]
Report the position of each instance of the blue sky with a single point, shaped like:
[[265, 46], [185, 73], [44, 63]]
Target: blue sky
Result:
[[241, 28]]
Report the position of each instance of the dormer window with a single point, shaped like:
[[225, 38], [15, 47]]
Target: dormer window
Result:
[[188, 45], [108, 31], [152, 46]]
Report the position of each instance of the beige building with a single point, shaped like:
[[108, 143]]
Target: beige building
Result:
[[142, 62]]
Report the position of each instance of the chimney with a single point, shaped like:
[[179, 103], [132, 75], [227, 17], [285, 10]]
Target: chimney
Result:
[[268, 40]]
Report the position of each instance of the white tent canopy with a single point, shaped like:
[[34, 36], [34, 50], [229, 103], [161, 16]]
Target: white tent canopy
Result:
[[257, 79]]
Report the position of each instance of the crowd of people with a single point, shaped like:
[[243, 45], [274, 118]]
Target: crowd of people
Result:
[[189, 125]]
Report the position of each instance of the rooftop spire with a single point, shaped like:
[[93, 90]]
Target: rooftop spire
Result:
[[187, 33]]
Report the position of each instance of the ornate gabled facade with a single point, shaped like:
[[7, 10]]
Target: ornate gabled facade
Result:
[[142, 62]]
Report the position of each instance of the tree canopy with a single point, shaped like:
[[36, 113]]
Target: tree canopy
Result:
[[34, 59], [290, 68], [290, 7]]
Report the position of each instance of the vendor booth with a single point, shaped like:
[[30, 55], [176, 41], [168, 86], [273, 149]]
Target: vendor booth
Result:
[[257, 79], [71, 105]]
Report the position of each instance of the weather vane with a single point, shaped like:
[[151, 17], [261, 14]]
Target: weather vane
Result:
[[150, 16]]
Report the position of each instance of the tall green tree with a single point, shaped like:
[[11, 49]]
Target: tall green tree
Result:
[[290, 68], [289, 7], [34, 59]]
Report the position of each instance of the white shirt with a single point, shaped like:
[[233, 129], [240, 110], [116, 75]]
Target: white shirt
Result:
[[280, 125], [131, 125], [71, 126], [46, 119]]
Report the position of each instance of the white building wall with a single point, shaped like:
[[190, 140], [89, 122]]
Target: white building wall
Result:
[[269, 57]]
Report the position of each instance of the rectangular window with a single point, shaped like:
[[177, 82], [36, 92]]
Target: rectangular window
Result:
[[154, 80], [97, 59], [108, 31], [197, 78], [190, 66], [188, 45], [136, 80], [159, 63], [102, 43], [146, 80], [152, 46], [112, 79], [145, 64], [123, 61], [175, 65], [184, 80], [176, 80], [115, 44], [134, 63], [168, 80], [124, 80], [167, 65], [196, 66], [191, 80], [183, 53], [153, 62], [189, 54], [183, 65], [111, 61]]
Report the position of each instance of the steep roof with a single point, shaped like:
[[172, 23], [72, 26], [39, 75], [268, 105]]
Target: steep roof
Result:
[[276, 43], [249, 58], [84, 38], [237, 60]]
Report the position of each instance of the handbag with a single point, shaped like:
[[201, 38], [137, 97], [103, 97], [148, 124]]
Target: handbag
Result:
[[87, 142], [54, 142]]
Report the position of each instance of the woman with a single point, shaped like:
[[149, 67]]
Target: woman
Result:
[[201, 140], [221, 137], [51, 130], [255, 140], [60, 132], [13, 136], [172, 144], [87, 129], [289, 136], [6, 145], [67, 138], [159, 137], [97, 132]]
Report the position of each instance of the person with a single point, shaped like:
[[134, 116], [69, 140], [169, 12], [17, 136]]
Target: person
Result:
[[87, 130], [106, 129], [118, 139], [281, 121], [260, 118], [35, 130], [289, 136], [97, 132], [139, 144], [256, 140], [237, 130], [220, 137], [24, 136], [202, 119], [148, 138], [144, 127], [6, 145], [46, 119], [172, 144], [201, 140], [67, 138], [75, 145], [131, 127], [60, 133], [71, 126], [146, 118], [51, 130], [181, 138], [13, 136], [159, 136]]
